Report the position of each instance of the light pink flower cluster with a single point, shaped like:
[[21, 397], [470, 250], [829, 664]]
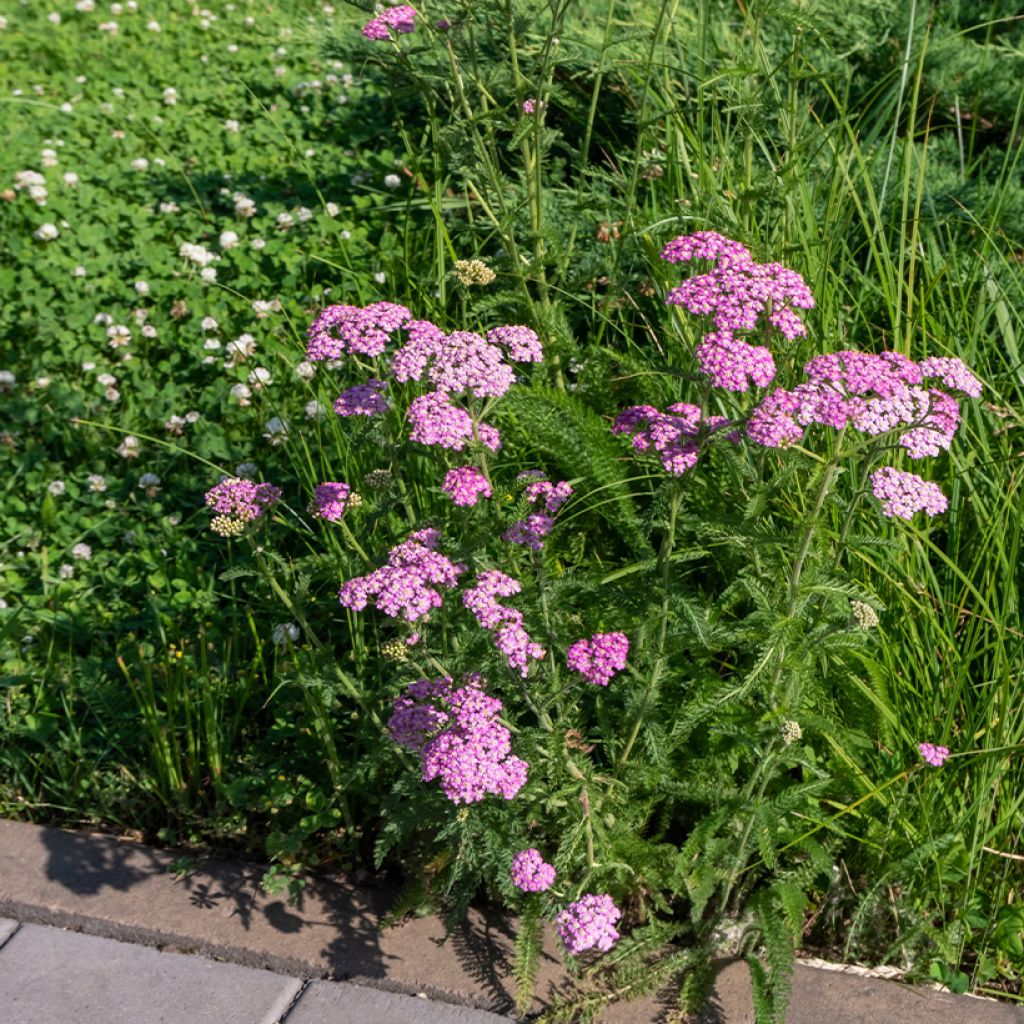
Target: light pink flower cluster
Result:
[[459, 738], [401, 19], [437, 420], [676, 434], [530, 872], [466, 485], [903, 494], [735, 293], [531, 531], [510, 636], [354, 329], [933, 755], [237, 502], [600, 657], [363, 400], [589, 923], [330, 501], [407, 584]]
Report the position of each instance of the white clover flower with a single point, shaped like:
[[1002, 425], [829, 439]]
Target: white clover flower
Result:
[[55, 487], [149, 480], [208, 323], [79, 271], [228, 239], [66, 571], [140, 164], [244, 206], [211, 344], [170, 208], [153, 26], [118, 336], [71, 179], [263, 307], [173, 519], [66, 108], [332, 209], [88, 365], [314, 410], [305, 371], [246, 470], [242, 347], [46, 233], [108, 26], [112, 395], [285, 220], [142, 287], [97, 483], [53, 17], [26, 179], [197, 254], [258, 243], [170, 95], [260, 377], [346, 235], [42, 382], [208, 274], [380, 277], [81, 552], [193, 416], [304, 213], [231, 125], [149, 331], [284, 633], [392, 181], [48, 158], [175, 425], [129, 448], [102, 318], [116, 9], [106, 379], [275, 430], [7, 381], [242, 392]]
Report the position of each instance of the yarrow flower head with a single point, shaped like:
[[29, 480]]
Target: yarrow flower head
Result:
[[676, 434], [530, 872], [589, 923], [466, 485], [362, 331], [510, 635], [461, 742], [599, 658], [903, 494], [407, 585], [436, 420], [531, 531], [332, 500], [401, 19], [363, 400], [933, 755], [239, 502]]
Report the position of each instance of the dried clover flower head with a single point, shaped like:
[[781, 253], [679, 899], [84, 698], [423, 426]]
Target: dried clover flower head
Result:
[[471, 272], [863, 614], [791, 732]]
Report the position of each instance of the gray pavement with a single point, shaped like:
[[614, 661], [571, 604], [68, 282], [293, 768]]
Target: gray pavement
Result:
[[131, 920]]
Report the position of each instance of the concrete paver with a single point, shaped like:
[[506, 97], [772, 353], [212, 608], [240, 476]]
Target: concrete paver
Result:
[[7, 929], [47, 974], [326, 1002]]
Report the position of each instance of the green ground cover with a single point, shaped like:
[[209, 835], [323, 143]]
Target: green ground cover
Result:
[[184, 192]]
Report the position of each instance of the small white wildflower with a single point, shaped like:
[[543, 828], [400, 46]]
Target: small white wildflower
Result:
[[208, 323], [170, 96], [149, 331], [392, 181], [140, 164], [231, 125], [314, 410], [173, 519], [304, 213], [284, 633], [346, 235], [79, 271], [260, 377], [53, 17], [228, 239], [208, 274], [305, 371], [129, 448], [88, 365], [118, 336], [257, 243], [332, 209], [380, 277], [246, 470], [7, 381], [112, 395], [142, 287], [56, 487], [48, 158], [97, 483], [242, 392], [81, 552], [211, 344], [242, 347], [71, 179], [102, 318], [169, 208], [46, 233], [42, 382], [106, 379], [66, 571], [284, 220], [275, 430], [108, 26], [193, 415], [153, 26]]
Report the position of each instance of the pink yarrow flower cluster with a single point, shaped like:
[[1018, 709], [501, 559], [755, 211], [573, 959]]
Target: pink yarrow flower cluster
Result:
[[736, 293], [599, 658], [466, 485], [363, 400], [510, 635], [437, 420], [401, 19], [677, 434], [354, 329], [407, 585], [530, 872], [330, 500], [531, 531], [237, 502], [933, 755], [589, 923], [903, 494], [459, 738]]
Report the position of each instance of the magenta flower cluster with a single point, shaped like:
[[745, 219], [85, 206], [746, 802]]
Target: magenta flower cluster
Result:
[[363, 400], [459, 738], [933, 755], [903, 494], [530, 872], [237, 502], [599, 658], [466, 485], [677, 434], [407, 585], [589, 923], [330, 501], [531, 531], [736, 293], [458, 364], [510, 635], [401, 19]]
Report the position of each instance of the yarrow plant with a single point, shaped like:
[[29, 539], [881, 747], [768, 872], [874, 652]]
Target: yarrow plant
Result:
[[239, 502]]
